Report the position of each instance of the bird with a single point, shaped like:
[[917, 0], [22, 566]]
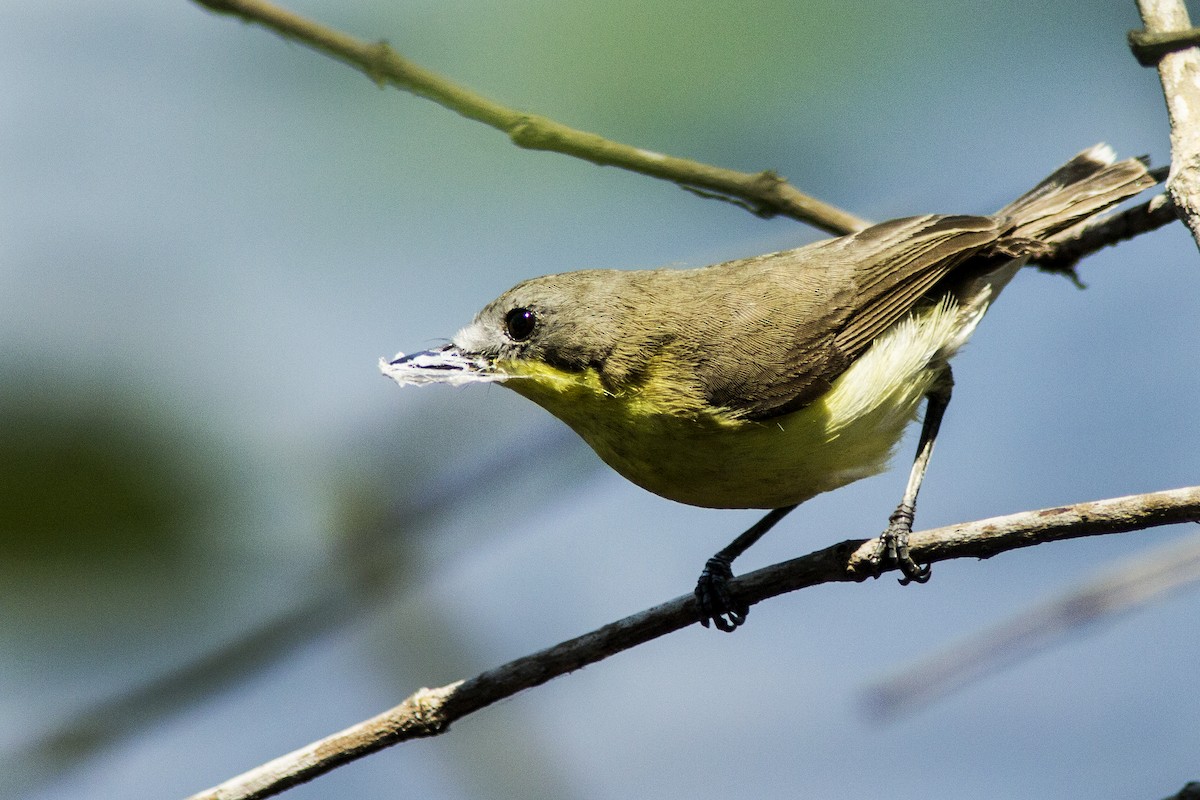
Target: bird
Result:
[[765, 381]]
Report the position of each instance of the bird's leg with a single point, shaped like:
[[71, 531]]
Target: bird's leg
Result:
[[891, 549], [717, 603]]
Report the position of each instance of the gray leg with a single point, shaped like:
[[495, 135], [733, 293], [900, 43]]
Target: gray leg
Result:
[[717, 603], [892, 547]]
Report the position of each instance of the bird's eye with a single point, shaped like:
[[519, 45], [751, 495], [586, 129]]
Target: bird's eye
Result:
[[519, 323]]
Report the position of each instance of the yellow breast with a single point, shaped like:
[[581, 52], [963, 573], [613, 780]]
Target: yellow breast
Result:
[[708, 458]]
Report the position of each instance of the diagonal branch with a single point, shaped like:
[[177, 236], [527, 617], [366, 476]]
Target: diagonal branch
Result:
[[429, 712], [764, 193]]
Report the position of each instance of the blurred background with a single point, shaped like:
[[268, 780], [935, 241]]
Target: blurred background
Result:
[[223, 534]]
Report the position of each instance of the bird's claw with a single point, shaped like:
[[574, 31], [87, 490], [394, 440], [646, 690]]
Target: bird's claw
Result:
[[891, 550], [717, 603]]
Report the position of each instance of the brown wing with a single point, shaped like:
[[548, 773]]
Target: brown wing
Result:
[[864, 282], [898, 262]]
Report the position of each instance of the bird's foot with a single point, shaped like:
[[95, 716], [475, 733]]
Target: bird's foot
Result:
[[717, 603], [891, 549]]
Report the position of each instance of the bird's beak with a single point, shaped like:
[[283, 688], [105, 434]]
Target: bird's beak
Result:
[[446, 364]]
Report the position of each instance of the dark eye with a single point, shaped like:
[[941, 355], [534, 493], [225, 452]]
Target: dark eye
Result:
[[519, 323]]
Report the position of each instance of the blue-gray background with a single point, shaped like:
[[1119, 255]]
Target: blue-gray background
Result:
[[208, 236]]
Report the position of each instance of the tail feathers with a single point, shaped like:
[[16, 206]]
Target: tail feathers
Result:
[[1086, 185]]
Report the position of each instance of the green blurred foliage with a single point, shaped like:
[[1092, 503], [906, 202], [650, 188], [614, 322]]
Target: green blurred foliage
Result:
[[94, 474], [661, 64]]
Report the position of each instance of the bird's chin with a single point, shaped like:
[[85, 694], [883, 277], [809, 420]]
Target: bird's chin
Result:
[[446, 365]]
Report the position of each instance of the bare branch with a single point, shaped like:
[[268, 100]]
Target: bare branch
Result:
[[764, 193], [429, 712], [1178, 71], [1151, 215]]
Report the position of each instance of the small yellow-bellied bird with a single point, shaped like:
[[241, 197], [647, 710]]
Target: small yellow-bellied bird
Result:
[[763, 382]]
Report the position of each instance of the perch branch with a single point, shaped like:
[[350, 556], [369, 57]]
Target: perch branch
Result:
[[429, 712]]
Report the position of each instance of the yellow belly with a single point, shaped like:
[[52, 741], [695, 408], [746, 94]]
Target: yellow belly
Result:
[[716, 461]]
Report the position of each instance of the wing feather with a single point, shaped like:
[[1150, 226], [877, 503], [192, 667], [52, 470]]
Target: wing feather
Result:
[[887, 269]]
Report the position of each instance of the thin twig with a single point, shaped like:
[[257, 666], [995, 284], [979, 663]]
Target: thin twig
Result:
[[764, 193], [429, 712], [1178, 71], [1148, 48], [1143, 218]]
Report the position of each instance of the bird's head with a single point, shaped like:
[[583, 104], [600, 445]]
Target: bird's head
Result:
[[553, 333]]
